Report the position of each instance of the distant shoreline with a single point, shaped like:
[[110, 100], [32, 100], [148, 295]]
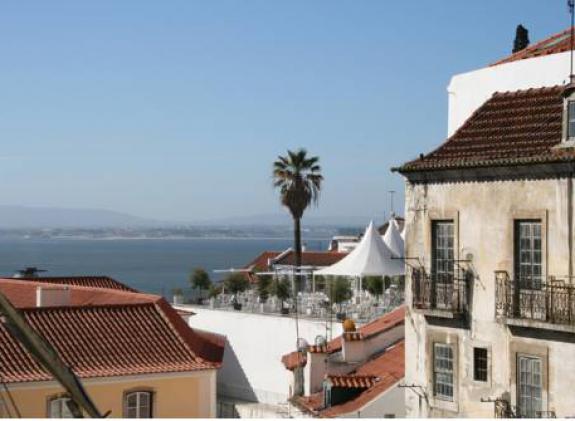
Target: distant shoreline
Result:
[[78, 238]]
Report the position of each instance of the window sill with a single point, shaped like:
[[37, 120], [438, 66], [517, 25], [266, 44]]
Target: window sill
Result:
[[443, 404]]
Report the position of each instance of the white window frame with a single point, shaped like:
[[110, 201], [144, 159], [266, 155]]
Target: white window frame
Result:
[[441, 369], [138, 408], [570, 119], [59, 406], [528, 383]]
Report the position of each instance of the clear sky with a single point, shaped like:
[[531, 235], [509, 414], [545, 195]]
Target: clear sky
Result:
[[176, 109]]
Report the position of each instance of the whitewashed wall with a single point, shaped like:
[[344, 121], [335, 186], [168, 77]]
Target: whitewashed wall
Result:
[[467, 91], [252, 368]]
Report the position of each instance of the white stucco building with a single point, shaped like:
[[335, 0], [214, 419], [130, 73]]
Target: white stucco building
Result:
[[490, 323]]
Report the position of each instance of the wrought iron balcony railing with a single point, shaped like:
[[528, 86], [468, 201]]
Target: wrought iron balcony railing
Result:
[[442, 292], [548, 301]]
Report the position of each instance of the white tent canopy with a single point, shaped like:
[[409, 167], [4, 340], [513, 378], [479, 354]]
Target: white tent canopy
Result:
[[371, 257], [393, 239]]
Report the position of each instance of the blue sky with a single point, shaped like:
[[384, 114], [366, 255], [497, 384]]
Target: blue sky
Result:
[[176, 109]]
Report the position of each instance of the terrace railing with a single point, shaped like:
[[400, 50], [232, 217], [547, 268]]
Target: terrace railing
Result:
[[551, 300], [442, 292]]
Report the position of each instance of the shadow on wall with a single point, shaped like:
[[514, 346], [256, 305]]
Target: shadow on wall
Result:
[[232, 380]]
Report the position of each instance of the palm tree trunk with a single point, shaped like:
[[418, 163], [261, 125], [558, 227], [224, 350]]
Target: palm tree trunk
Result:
[[297, 243]]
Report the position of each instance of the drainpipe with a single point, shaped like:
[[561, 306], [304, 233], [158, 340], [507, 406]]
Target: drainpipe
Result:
[[570, 222]]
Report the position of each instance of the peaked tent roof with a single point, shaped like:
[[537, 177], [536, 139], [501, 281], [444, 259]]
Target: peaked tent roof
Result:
[[393, 239], [371, 257]]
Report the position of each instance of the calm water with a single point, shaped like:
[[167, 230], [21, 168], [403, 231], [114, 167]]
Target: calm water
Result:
[[155, 266]]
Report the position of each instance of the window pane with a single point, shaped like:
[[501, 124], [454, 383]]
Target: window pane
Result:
[[480, 364], [58, 408], [528, 254], [139, 405], [443, 371], [530, 386]]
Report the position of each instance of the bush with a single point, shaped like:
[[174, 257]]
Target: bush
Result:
[[374, 285], [339, 290], [236, 283]]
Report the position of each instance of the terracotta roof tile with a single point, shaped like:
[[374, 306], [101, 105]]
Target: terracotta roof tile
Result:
[[518, 127], [376, 376], [85, 281], [293, 360], [118, 333], [557, 43], [352, 381]]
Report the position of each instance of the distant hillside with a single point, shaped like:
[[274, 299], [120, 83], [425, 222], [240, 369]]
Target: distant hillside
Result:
[[45, 217], [285, 219]]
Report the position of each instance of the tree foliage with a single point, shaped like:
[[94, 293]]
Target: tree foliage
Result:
[[200, 279], [376, 285], [236, 283], [263, 287], [339, 290], [281, 289], [298, 179]]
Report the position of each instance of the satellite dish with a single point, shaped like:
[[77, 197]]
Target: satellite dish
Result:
[[302, 345], [320, 340]]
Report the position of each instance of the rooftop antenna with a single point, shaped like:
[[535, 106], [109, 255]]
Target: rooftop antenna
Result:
[[392, 192], [571, 5]]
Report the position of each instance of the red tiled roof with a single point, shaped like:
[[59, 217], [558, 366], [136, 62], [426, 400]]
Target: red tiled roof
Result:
[[388, 369], [309, 258], [22, 294], [508, 129], [557, 43], [294, 359], [376, 376], [382, 324], [84, 281], [118, 333]]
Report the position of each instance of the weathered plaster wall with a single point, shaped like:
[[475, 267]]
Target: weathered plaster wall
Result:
[[483, 213]]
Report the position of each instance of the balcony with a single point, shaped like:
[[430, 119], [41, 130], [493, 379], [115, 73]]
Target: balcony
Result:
[[440, 295], [548, 304]]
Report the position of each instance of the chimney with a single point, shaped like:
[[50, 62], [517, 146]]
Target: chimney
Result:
[[52, 296], [521, 39], [353, 345]]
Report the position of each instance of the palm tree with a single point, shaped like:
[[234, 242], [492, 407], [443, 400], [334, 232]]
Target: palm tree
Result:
[[298, 178]]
